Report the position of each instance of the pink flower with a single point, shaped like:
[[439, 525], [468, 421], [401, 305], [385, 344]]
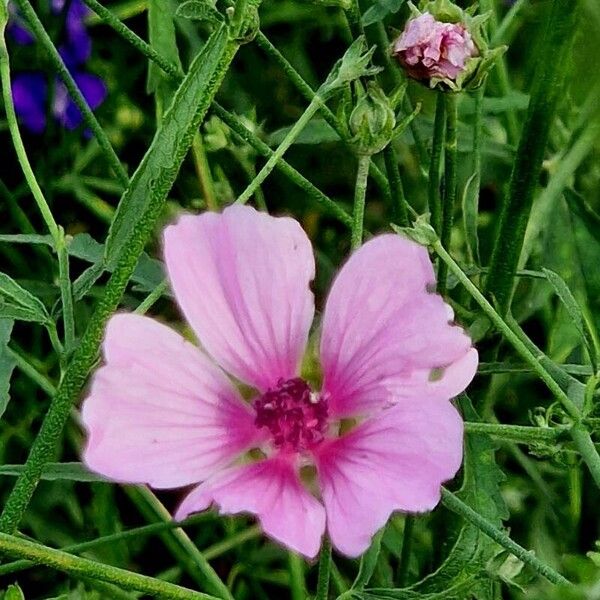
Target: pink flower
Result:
[[162, 412], [431, 49]]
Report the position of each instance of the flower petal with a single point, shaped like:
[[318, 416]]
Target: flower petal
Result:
[[271, 490], [64, 108], [159, 412], [384, 334], [394, 461], [242, 280], [30, 91]]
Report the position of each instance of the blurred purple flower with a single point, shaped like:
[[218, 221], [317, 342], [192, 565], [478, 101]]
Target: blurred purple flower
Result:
[[31, 91]]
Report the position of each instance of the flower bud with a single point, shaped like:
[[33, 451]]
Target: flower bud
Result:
[[372, 121], [442, 46]]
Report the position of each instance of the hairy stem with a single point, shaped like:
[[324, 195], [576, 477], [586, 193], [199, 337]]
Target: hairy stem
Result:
[[360, 193]]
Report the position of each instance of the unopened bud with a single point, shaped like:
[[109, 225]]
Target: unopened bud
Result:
[[372, 121]]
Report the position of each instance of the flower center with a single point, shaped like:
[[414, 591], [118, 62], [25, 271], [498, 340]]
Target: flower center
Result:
[[295, 416]]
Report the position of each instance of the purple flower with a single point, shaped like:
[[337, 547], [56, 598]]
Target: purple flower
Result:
[[430, 49], [31, 92]]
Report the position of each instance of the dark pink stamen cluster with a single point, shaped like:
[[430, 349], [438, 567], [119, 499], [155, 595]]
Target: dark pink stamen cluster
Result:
[[296, 418]]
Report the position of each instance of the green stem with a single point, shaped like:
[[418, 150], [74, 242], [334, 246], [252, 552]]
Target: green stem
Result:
[[434, 192], [450, 178], [137, 532], [581, 438], [297, 583], [584, 444], [308, 93], [409, 523], [19, 147], [17, 547], [324, 570], [255, 142], [547, 91], [287, 141], [66, 292], [89, 118], [360, 193], [399, 210], [147, 303], [452, 502], [30, 371], [521, 434], [179, 543], [203, 172], [197, 90]]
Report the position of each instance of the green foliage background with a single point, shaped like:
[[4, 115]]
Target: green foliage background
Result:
[[189, 130]]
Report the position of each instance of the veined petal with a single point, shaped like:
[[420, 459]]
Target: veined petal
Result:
[[159, 412], [242, 280], [383, 332], [394, 461], [271, 490]]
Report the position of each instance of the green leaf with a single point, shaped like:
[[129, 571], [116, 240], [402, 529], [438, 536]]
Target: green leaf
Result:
[[17, 303], [470, 210], [14, 592], [71, 471], [160, 165], [380, 10], [161, 31], [368, 562], [566, 297], [148, 273], [317, 131], [7, 364], [198, 10]]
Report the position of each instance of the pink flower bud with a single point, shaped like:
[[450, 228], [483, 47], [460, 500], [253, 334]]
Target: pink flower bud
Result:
[[430, 49]]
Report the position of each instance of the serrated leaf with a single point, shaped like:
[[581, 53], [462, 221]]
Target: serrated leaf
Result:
[[71, 471], [7, 363], [19, 304], [199, 10], [572, 306], [380, 10]]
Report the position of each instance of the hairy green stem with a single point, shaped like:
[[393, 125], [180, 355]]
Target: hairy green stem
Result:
[[456, 505], [198, 89], [255, 142], [17, 547], [433, 191], [546, 93], [360, 193], [522, 434], [179, 544], [203, 172], [297, 583], [579, 434], [89, 118], [287, 141], [450, 178], [308, 93], [409, 523], [399, 204], [324, 570]]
